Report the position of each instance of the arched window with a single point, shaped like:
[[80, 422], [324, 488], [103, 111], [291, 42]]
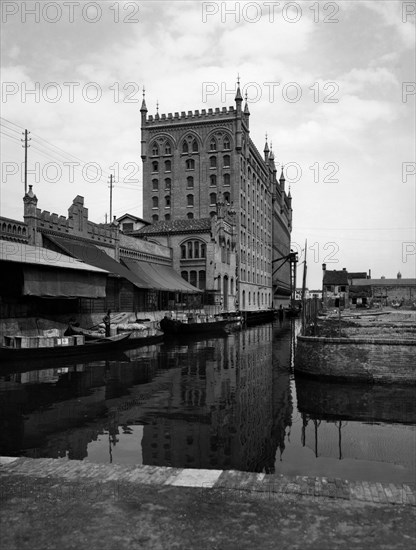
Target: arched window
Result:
[[226, 179], [190, 200], [195, 146], [232, 286], [212, 199], [212, 162], [167, 201], [213, 144], [183, 251], [190, 250], [155, 202], [155, 166], [226, 143], [168, 165], [226, 198], [190, 164], [226, 161], [167, 217], [196, 249], [155, 150], [168, 149], [155, 218], [185, 147], [190, 182], [168, 183], [155, 184], [192, 278], [190, 216], [213, 180]]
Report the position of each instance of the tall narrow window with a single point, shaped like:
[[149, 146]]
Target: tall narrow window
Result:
[[168, 165], [195, 146], [203, 250], [212, 199], [168, 150], [213, 145], [190, 200], [183, 251], [226, 143], [226, 179], [155, 166], [226, 161], [190, 182], [155, 184], [190, 164], [168, 183], [196, 249], [202, 280], [167, 201], [155, 202], [226, 198], [190, 250], [185, 147], [192, 278], [213, 180], [212, 162], [155, 150]]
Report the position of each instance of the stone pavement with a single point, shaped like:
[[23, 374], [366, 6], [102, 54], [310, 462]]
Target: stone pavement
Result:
[[56, 503]]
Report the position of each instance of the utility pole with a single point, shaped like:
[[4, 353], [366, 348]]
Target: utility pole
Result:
[[26, 146], [111, 197]]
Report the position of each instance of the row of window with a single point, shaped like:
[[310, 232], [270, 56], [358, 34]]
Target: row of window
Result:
[[190, 182], [190, 200], [190, 163], [193, 249], [190, 144], [189, 215], [195, 278]]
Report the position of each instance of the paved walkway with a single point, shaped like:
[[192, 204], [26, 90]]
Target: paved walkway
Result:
[[48, 504]]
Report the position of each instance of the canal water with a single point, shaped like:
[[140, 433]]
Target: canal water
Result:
[[222, 403]]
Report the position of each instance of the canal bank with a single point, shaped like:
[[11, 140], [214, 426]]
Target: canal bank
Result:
[[50, 503]]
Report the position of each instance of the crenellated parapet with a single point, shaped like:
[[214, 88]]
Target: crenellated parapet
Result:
[[185, 116]]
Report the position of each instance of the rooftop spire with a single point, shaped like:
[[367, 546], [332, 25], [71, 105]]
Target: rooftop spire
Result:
[[246, 109], [282, 176], [266, 146], [238, 96], [143, 107]]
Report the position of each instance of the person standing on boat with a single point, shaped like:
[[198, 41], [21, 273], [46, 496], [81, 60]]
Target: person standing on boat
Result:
[[107, 322]]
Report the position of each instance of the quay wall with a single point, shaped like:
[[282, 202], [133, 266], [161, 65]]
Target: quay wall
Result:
[[357, 359]]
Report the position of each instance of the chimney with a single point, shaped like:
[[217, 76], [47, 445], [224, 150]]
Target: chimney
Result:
[[323, 267], [344, 269], [369, 274]]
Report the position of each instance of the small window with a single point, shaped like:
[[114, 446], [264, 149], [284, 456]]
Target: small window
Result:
[[190, 182], [128, 227], [168, 149], [213, 199], [226, 161], [213, 180], [190, 216], [226, 179], [195, 146], [190, 164], [226, 143], [167, 201], [185, 147], [213, 145], [155, 166], [226, 198], [155, 150], [168, 165], [155, 202], [190, 200], [167, 217], [212, 162], [155, 185], [168, 183], [155, 218]]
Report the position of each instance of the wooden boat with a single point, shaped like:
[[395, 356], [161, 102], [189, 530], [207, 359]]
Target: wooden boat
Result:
[[220, 324], [137, 338], [15, 347]]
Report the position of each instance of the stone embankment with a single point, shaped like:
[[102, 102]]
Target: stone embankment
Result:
[[370, 347]]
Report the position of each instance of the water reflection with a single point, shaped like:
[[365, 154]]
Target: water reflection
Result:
[[226, 403]]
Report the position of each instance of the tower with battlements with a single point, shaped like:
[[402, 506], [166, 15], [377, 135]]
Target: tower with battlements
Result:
[[203, 164]]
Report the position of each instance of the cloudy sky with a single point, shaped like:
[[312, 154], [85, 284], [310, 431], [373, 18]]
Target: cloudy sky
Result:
[[331, 83]]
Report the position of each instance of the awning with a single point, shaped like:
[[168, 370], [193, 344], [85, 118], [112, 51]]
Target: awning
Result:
[[161, 277], [59, 283], [91, 254]]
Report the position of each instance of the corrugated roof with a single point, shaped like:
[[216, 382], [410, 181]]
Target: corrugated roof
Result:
[[37, 255], [166, 226]]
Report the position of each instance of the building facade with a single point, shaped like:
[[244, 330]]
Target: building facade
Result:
[[200, 162]]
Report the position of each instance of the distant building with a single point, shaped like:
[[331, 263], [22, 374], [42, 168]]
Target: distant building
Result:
[[388, 292]]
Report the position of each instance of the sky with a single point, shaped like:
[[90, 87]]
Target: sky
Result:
[[332, 84]]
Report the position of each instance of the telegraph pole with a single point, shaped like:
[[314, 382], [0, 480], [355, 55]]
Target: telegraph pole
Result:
[[111, 197], [26, 146]]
